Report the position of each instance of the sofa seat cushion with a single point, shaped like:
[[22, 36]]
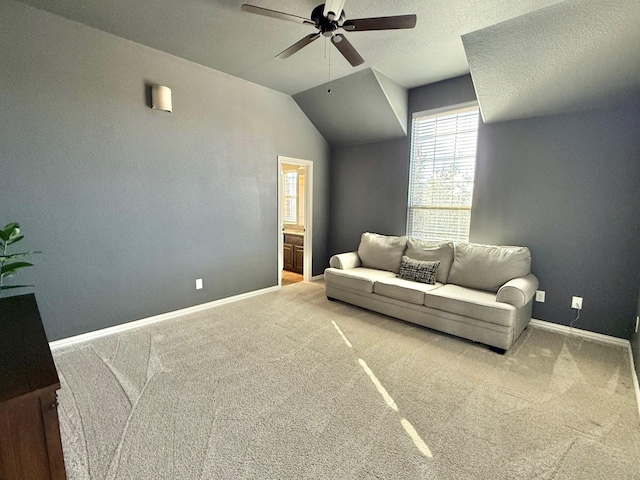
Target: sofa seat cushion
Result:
[[360, 279], [405, 290], [470, 303]]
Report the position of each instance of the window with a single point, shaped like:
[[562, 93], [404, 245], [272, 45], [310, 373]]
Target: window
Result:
[[290, 213], [443, 163], [293, 193]]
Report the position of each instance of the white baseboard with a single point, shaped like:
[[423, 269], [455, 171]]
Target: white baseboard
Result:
[[596, 337], [317, 277], [634, 376], [65, 342]]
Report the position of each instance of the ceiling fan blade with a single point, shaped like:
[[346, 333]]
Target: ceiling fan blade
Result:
[[347, 50], [380, 23], [298, 45], [275, 14]]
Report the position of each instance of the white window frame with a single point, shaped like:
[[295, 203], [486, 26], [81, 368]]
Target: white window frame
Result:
[[290, 198], [444, 215]]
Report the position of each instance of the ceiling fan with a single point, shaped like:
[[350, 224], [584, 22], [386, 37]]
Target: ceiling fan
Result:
[[327, 19]]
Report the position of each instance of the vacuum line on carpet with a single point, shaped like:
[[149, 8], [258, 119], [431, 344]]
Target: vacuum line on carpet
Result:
[[342, 334], [376, 382], [415, 436]]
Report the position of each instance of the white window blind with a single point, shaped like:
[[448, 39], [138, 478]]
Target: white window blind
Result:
[[443, 162], [290, 213]]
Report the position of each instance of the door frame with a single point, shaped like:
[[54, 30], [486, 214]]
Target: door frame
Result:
[[307, 264]]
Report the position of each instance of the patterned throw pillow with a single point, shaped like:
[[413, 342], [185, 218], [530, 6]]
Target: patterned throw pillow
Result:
[[418, 270]]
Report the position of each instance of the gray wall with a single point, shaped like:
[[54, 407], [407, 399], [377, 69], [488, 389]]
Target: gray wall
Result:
[[368, 192], [566, 186], [563, 185], [128, 204]]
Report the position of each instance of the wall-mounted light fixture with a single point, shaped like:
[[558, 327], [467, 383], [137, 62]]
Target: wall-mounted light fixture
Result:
[[161, 98]]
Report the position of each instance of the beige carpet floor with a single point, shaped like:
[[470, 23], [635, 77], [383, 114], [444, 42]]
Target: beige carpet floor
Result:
[[288, 385]]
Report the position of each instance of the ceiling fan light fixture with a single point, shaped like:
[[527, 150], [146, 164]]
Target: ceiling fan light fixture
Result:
[[333, 9]]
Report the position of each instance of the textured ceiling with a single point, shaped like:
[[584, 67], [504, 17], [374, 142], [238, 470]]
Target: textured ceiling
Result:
[[575, 54], [216, 33], [362, 108], [526, 57]]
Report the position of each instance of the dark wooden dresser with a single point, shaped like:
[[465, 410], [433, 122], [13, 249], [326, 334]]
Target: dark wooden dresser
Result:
[[30, 445]]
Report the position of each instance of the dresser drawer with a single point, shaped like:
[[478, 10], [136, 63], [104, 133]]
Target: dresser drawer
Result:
[[293, 239]]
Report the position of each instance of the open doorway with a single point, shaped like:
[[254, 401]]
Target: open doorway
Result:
[[295, 210]]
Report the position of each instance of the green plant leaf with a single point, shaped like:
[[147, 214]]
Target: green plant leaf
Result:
[[12, 267], [9, 265], [13, 256], [14, 233], [7, 232], [7, 287], [13, 240]]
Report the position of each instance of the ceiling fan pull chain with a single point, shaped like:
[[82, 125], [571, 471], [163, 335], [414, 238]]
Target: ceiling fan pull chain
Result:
[[325, 46]]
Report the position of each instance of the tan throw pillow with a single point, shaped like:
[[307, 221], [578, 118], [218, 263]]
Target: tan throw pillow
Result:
[[382, 252]]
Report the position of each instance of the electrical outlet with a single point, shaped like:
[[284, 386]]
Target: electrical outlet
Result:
[[198, 283], [540, 295], [576, 303], [637, 321]]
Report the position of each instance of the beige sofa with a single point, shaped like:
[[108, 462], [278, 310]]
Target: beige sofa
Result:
[[480, 292]]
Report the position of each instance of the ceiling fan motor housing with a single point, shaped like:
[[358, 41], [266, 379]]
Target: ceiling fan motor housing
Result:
[[327, 27]]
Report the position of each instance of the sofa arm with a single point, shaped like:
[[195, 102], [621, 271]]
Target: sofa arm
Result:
[[344, 261], [519, 291]]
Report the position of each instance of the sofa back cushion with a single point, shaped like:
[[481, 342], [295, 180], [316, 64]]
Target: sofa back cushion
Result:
[[488, 267], [382, 252], [431, 252]]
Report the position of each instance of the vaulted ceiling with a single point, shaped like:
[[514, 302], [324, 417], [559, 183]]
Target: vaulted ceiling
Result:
[[526, 57], [575, 54], [218, 34]]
